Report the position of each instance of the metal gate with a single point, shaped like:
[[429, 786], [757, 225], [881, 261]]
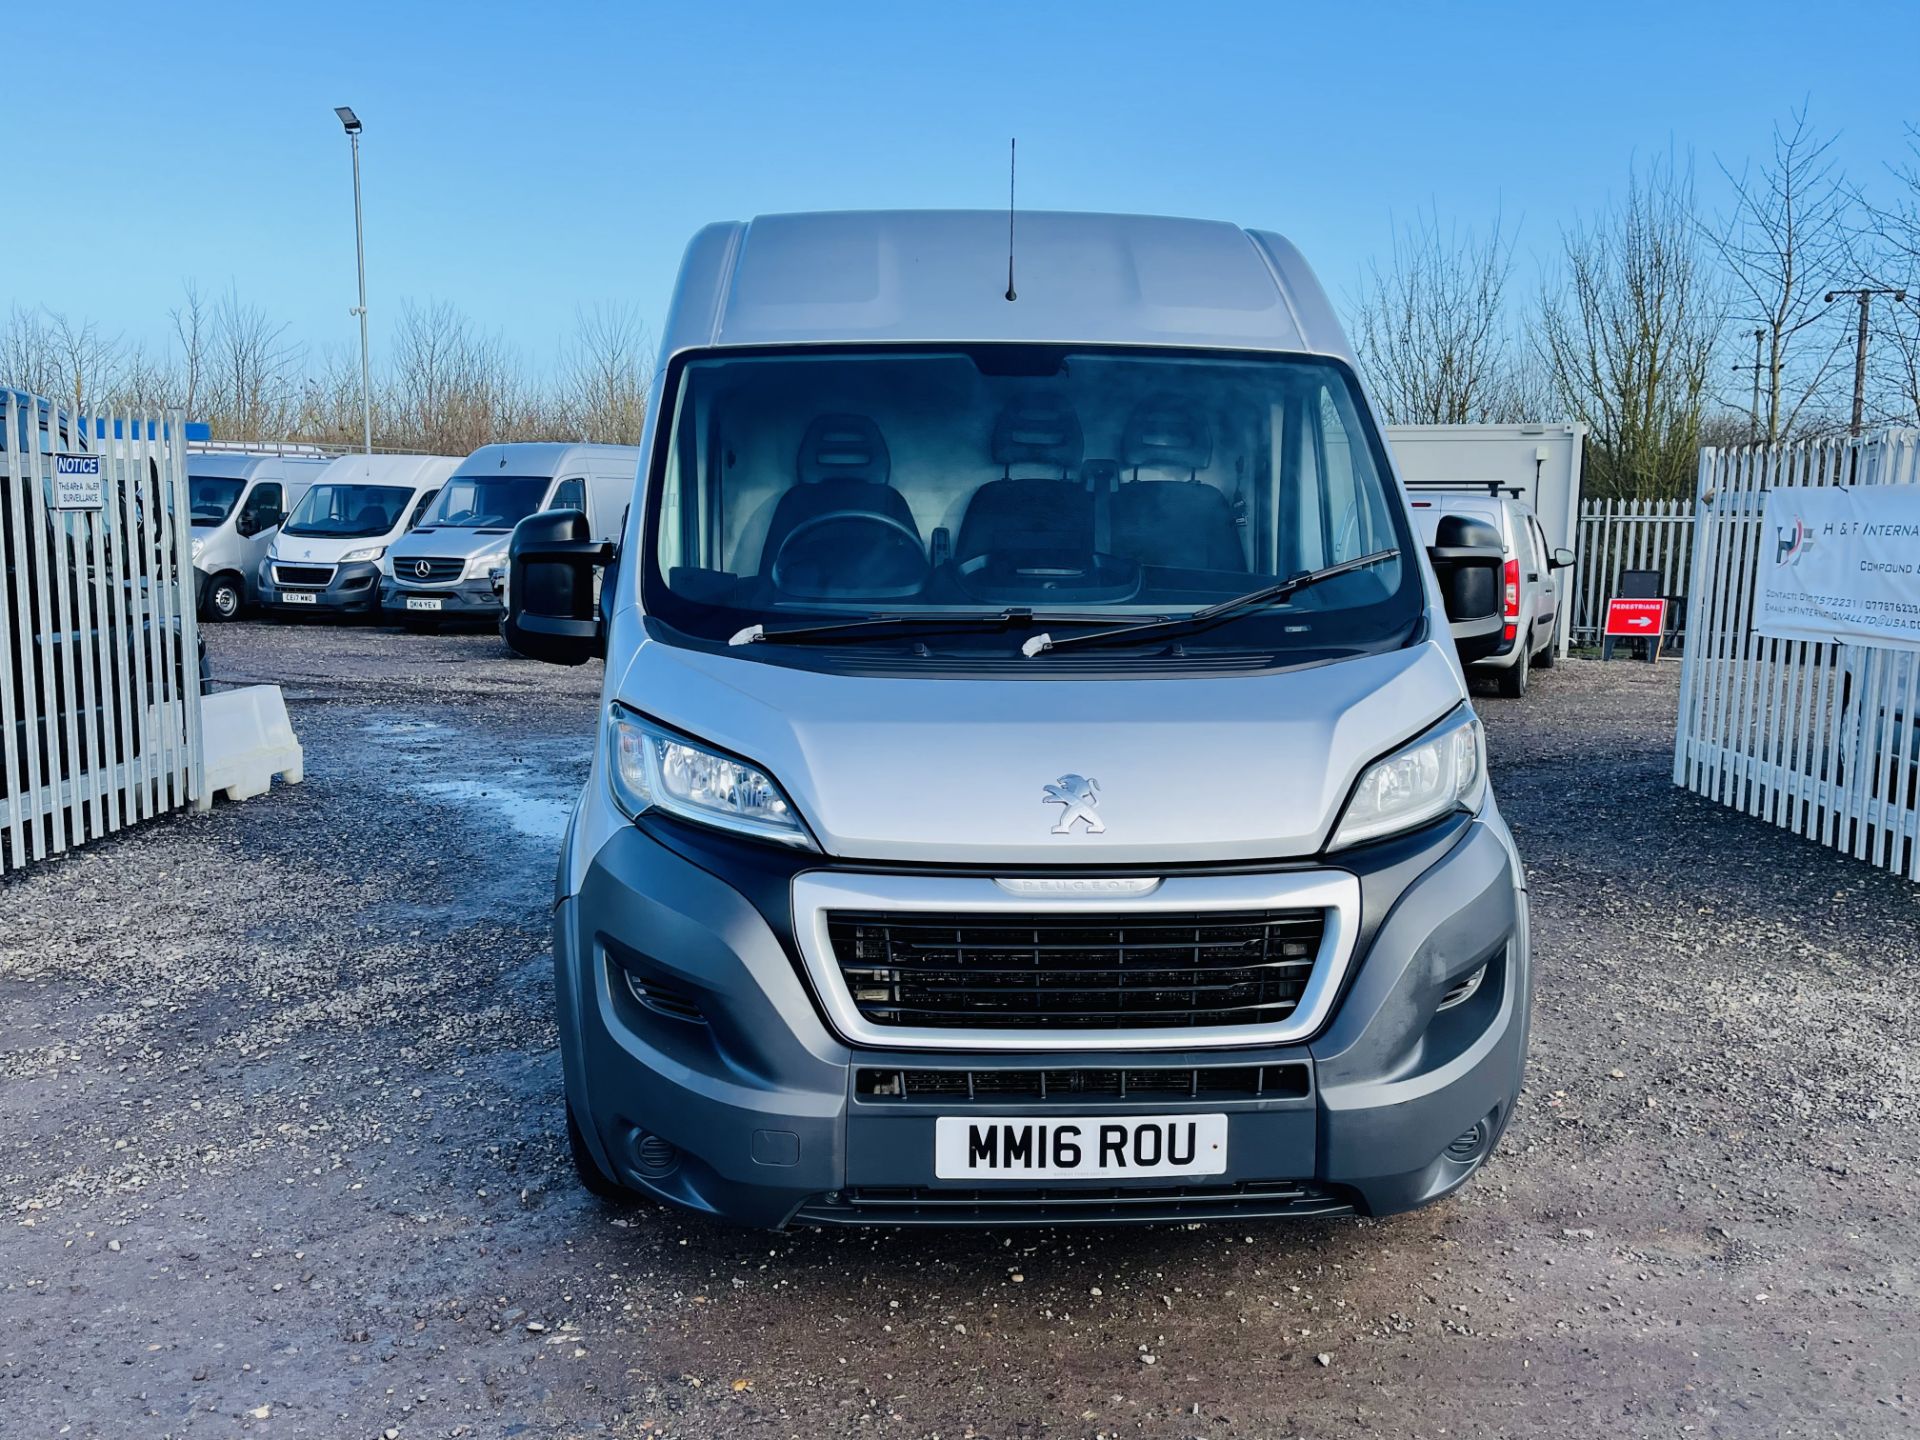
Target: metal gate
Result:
[[1819, 738], [99, 653], [1618, 535]]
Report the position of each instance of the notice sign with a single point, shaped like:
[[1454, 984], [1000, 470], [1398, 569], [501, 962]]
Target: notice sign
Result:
[[1636, 619], [77, 484], [1841, 563]]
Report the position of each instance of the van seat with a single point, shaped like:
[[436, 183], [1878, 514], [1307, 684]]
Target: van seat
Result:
[[1182, 524], [843, 471], [1045, 512]]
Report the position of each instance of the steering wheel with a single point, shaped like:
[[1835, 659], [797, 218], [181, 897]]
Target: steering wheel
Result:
[[898, 531]]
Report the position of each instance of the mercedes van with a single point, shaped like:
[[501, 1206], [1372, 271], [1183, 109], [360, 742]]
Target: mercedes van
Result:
[[327, 555], [239, 497], [1036, 779], [449, 565]]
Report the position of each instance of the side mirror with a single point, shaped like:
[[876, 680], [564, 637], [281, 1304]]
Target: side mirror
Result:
[[1561, 559], [1469, 564], [551, 614]]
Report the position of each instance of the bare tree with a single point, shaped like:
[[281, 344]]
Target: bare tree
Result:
[[608, 369], [1432, 330], [27, 358], [453, 389], [1627, 336], [1785, 245], [251, 375], [192, 327]]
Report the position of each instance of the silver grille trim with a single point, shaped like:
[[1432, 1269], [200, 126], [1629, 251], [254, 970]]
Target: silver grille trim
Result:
[[1335, 892]]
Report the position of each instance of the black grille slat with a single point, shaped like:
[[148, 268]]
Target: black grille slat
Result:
[[316, 576], [1156, 970], [435, 570]]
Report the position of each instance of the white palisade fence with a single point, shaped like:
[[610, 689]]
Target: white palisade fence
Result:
[[1819, 738], [1618, 535], [99, 654]]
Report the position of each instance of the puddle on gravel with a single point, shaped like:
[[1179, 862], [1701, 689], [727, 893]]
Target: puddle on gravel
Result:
[[531, 793], [531, 810]]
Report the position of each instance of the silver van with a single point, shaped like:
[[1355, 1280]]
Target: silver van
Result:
[[327, 555], [239, 498], [1529, 586], [449, 565], [1036, 780]]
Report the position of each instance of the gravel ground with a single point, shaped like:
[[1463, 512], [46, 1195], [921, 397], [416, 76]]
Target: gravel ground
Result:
[[280, 1147]]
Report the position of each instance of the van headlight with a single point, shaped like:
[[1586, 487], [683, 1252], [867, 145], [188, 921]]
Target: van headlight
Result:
[[653, 768], [1443, 771], [366, 552]]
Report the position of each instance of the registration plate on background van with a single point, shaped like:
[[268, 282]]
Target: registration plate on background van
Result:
[[423, 602], [1111, 1147], [294, 597]]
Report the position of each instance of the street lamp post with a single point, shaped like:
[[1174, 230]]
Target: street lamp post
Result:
[[1864, 295], [351, 122]]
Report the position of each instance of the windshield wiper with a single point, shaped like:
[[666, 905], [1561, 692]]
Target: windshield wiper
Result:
[[1252, 600], [993, 620]]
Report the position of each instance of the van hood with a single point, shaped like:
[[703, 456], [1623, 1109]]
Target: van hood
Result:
[[453, 542], [321, 549], [959, 770]]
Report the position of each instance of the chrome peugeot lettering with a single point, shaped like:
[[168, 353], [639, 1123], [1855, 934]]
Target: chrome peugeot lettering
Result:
[[1081, 796], [1113, 886]]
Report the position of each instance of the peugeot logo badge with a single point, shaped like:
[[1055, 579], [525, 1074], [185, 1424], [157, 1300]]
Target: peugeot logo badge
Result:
[[422, 569], [1081, 797]]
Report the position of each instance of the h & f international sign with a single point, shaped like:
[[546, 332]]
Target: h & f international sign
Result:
[[1840, 563]]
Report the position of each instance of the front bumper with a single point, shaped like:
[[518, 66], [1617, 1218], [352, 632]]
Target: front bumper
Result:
[[354, 587], [474, 597], [766, 1117]]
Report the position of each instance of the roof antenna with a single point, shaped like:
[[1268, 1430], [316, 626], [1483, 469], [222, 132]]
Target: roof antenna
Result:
[[1011, 146]]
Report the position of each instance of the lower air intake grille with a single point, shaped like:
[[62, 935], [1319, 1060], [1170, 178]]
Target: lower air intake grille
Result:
[[946, 1087], [1151, 970], [929, 1205]]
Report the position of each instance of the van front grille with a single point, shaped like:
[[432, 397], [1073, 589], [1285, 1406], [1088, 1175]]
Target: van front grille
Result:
[[314, 577], [426, 569], [1001, 1086], [1151, 970]]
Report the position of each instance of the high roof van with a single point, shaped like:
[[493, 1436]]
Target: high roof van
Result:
[[239, 499], [327, 554], [1036, 779], [448, 565]]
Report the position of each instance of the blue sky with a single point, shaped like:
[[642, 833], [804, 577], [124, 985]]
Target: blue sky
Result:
[[522, 161]]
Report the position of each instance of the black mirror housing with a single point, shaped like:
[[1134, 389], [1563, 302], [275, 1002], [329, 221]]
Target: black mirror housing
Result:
[[1469, 563], [552, 613]]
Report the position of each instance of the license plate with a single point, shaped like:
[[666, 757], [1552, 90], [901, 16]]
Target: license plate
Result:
[[1111, 1147], [295, 597], [423, 602]]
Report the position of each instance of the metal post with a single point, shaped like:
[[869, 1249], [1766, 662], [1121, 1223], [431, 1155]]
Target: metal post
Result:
[[352, 124], [1860, 366], [1864, 295], [1753, 415]]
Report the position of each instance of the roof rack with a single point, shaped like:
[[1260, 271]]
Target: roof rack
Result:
[[1492, 487]]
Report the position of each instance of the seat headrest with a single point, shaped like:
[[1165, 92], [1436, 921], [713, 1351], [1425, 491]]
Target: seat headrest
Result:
[[1037, 433], [843, 447], [1167, 434]]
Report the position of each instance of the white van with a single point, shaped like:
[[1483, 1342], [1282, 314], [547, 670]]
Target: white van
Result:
[[327, 554], [1036, 779], [239, 499], [450, 564]]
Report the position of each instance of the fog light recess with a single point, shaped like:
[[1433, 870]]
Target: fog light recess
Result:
[[1470, 1146], [652, 1156]]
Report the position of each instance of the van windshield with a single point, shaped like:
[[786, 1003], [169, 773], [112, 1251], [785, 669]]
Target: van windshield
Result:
[[487, 502], [212, 497], [348, 511], [971, 482]]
